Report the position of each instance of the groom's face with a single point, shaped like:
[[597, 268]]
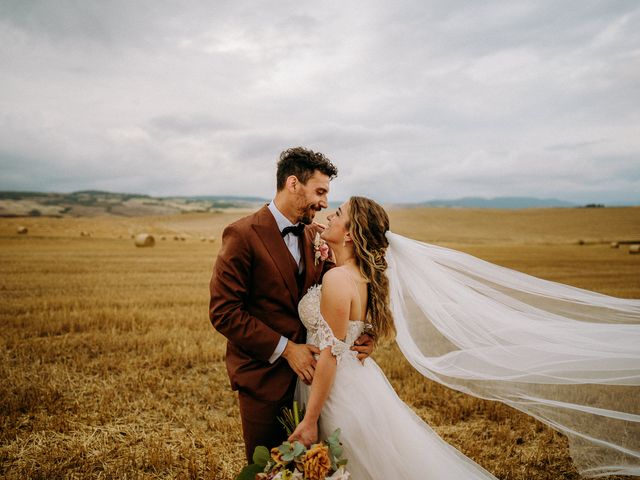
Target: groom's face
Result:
[[312, 197]]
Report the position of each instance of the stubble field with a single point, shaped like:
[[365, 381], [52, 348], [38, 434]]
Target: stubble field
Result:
[[111, 369]]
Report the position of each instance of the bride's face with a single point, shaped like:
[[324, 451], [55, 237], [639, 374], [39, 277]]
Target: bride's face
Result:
[[337, 225]]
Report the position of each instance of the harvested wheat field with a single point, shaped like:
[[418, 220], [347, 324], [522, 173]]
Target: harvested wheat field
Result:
[[111, 369]]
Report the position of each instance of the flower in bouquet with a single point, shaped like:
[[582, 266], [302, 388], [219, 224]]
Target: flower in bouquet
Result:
[[281, 475], [279, 464], [316, 462], [340, 474]]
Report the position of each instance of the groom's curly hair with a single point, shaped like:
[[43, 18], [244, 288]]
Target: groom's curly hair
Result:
[[301, 163]]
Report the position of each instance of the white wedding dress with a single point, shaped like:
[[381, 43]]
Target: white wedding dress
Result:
[[382, 437]]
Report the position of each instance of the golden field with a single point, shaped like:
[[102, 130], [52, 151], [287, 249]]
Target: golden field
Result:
[[111, 369]]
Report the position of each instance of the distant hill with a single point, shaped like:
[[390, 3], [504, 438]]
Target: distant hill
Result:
[[227, 198], [499, 202], [91, 203]]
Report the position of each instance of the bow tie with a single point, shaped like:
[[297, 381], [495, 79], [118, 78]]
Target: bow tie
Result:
[[295, 229]]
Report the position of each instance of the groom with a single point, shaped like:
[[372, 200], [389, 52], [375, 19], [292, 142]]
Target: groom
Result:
[[264, 267]]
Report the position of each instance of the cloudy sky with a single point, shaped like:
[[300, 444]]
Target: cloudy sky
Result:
[[412, 100]]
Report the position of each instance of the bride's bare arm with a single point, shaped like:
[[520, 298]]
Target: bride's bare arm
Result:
[[335, 307], [307, 431]]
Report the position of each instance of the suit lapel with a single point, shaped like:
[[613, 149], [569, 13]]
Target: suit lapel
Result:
[[268, 232]]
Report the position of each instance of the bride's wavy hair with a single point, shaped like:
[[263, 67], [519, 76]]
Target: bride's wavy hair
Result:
[[368, 224]]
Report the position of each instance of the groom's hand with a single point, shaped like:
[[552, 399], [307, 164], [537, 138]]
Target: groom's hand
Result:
[[364, 346], [301, 360]]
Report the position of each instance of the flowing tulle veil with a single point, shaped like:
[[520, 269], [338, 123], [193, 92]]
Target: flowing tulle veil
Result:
[[568, 357]]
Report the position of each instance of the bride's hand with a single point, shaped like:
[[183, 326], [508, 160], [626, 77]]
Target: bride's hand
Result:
[[318, 224], [306, 433]]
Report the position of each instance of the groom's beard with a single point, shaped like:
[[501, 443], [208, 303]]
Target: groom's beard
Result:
[[309, 214]]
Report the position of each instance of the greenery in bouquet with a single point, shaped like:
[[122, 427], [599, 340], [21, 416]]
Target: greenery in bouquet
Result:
[[293, 461], [291, 417]]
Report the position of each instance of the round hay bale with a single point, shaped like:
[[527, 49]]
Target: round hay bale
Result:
[[634, 248], [203, 239], [84, 233], [144, 240], [212, 239], [163, 237], [581, 242], [22, 230], [615, 245], [183, 238], [176, 237]]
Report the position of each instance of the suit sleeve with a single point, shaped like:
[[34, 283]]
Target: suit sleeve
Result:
[[229, 293]]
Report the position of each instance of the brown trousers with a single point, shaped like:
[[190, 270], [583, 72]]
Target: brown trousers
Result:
[[260, 425]]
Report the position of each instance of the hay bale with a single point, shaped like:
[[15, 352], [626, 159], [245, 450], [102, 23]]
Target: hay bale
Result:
[[634, 248], [615, 245], [144, 240], [84, 233], [163, 237], [176, 237], [581, 242], [22, 230], [203, 239], [212, 239]]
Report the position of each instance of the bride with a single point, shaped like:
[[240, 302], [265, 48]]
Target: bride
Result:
[[382, 437], [566, 356]]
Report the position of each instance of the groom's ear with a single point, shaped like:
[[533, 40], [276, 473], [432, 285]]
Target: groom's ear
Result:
[[292, 183]]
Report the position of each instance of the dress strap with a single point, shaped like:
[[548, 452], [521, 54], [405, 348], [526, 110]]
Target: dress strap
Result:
[[356, 286]]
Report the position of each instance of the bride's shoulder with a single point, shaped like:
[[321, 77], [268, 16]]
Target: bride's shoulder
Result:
[[335, 302], [336, 275], [336, 284]]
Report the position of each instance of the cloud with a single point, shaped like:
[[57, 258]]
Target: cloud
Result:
[[191, 124], [412, 100]]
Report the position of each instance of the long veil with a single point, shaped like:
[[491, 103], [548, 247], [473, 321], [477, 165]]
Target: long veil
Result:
[[568, 357]]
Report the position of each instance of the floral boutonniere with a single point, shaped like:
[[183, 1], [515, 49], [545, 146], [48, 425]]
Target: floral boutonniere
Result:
[[320, 249]]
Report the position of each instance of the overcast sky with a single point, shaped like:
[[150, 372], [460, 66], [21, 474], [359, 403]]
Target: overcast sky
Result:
[[412, 100]]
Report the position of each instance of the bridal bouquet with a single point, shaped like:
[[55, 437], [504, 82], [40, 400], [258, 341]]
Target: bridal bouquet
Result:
[[294, 461]]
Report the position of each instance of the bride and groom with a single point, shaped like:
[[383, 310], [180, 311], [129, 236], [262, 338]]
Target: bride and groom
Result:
[[295, 325]]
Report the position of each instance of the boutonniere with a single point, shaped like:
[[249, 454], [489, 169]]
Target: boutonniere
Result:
[[320, 249]]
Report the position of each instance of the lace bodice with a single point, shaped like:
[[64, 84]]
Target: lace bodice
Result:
[[318, 331]]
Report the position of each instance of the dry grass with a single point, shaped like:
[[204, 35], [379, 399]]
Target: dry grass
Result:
[[110, 368]]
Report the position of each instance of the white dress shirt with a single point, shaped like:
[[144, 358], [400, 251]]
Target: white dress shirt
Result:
[[293, 244]]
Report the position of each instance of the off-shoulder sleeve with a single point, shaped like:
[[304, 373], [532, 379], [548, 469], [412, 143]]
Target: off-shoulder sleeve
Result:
[[326, 338]]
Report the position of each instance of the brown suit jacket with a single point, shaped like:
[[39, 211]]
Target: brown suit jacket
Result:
[[254, 300]]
